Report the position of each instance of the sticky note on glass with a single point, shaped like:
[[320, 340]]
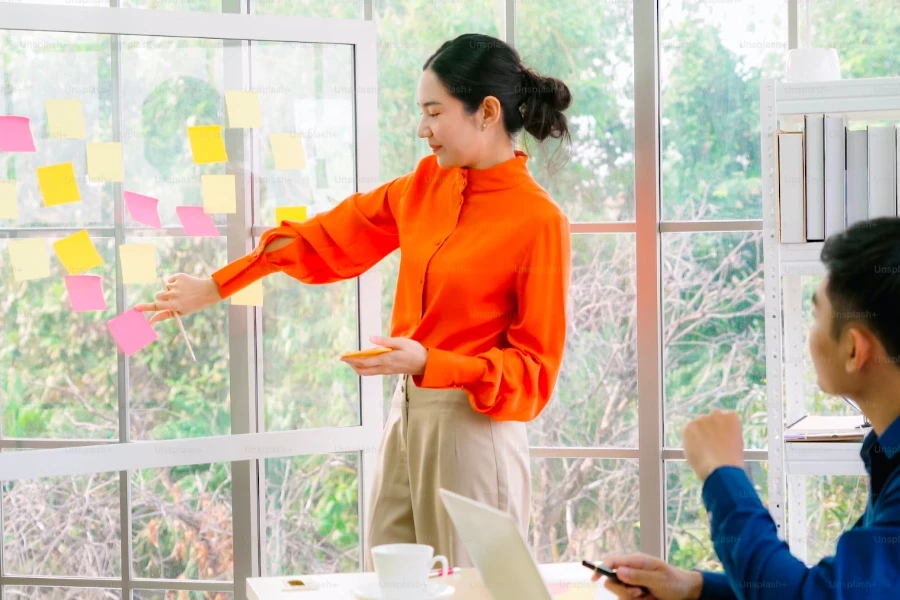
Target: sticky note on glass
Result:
[[290, 213], [207, 144], [287, 148], [65, 119], [132, 331], [85, 292], [243, 109], [218, 194], [15, 134], [58, 184], [29, 259], [77, 253], [143, 209], [104, 161], [252, 295], [138, 263], [9, 206], [196, 222]]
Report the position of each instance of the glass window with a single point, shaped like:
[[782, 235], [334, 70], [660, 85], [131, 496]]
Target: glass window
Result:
[[323, 9], [26, 592], [589, 45], [833, 505], [713, 330], [712, 57]]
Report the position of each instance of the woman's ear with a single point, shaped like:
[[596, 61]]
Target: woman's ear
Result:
[[490, 106]]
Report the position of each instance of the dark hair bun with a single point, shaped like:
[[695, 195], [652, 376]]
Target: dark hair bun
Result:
[[545, 99]]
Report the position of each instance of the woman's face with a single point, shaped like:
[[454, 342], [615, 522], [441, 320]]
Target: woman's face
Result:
[[457, 138]]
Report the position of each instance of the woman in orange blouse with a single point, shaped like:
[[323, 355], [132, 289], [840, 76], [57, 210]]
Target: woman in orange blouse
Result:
[[479, 320]]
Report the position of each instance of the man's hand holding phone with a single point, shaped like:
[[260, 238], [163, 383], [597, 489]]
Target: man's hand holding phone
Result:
[[646, 577]]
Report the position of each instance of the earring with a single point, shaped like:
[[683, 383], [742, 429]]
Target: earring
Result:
[[483, 125]]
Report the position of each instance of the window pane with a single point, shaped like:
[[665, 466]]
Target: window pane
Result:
[[196, 5], [862, 31], [305, 329], [712, 57], [40, 66], [325, 9], [312, 514], [833, 505], [713, 336], [182, 522], [171, 396], [306, 90], [595, 403], [589, 45], [688, 538], [60, 593], [62, 526], [58, 368], [169, 84], [409, 31], [583, 508], [180, 595]]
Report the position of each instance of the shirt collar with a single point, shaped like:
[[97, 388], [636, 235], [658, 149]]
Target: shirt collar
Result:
[[505, 175], [889, 442]]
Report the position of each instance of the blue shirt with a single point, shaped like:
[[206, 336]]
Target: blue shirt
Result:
[[758, 565]]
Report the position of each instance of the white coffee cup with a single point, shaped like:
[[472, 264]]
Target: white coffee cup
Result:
[[403, 569]]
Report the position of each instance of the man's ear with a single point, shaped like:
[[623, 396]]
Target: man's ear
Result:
[[860, 350]]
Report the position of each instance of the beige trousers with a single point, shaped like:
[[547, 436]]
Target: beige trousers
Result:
[[434, 439]]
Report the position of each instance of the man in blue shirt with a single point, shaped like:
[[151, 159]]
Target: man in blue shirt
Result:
[[855, 346]]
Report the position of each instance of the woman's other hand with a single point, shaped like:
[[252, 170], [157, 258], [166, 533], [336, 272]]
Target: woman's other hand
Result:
[[407, 357], [187, 294]]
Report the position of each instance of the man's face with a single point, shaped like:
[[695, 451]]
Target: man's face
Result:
[[835, 359]]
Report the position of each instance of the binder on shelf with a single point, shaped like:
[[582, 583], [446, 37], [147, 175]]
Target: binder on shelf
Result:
[[857, 176], [835, 175], [814, 144], [821, 428], [882, 179], [792, 209]]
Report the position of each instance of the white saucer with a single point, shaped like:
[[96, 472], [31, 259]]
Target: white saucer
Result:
[[372, 591]]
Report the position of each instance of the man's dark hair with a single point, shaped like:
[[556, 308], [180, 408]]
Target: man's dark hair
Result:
[[863, 265]]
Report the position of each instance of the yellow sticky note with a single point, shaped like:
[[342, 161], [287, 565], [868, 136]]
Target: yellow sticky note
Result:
[[77, 253], [243, 109], [29, 258], [218, 194], [138, 263], [207, 144], [252, 295], [65, 119], [287, 148], [58, 184], [104, 161], [9, 206], [290, 213]]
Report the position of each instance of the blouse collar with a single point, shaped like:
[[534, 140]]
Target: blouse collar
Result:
[[502, 176]]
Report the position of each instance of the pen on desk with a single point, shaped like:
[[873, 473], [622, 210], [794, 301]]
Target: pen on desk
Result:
[[180, 325], [439, 572]]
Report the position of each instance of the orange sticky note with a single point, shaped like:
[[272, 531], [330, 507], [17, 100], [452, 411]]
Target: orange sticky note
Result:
[[9, 205], [287, 148], [138, 263], [218, 194], [58, 184], [29, 258], [290, 213], [77, 253], [243, 109], [104, 161], [207, 144], [252, 295]]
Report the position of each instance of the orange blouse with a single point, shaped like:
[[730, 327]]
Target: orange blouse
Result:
[[485, 259]]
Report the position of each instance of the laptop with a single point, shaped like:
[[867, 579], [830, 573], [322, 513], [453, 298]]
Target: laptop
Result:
[[497, 549]]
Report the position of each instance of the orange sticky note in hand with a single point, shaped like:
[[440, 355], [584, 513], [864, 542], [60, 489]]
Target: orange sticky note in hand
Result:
[[77, 253], [366, 353]]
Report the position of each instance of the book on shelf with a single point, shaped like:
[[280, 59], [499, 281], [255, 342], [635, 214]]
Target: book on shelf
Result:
[[857, 176], [835, 174], [814, 147], [882, 179], [791, 205], [825, 428]]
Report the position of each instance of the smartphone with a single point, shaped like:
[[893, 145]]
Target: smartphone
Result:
[[610, 574]]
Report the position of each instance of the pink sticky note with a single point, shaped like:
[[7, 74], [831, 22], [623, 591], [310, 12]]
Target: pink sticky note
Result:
[[196, 222], [132, 331], [15, 135], [143, 209], [85, 292]]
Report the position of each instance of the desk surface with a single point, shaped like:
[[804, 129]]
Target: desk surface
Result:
[[567, 581]]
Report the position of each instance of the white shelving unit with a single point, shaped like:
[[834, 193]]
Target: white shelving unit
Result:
[[790, 463]]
